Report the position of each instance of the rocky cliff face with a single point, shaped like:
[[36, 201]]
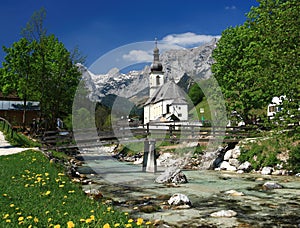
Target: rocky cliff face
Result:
[[195, 63]]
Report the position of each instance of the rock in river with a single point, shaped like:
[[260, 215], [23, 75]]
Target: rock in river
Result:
[[224, 213], [172, 175], [179, 199]]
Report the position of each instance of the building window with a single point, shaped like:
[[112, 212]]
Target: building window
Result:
[[157, 80]]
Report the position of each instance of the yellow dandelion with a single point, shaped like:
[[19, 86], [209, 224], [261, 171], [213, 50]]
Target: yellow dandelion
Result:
[[29, 217], [88, 220], [117, 225], [49, 219], [92, 211], [126, 213], [65, 197], [92, 217], [8, 220], [109, 209], [20, 218], [57, 226], [66, 213], [130, 220], [82, 220], [61, 174], [139, 221], [5, 195], [106, 225], [30, 226], [128, 225], [148, 223], [70, 224], [5, 216], [47, 193], [61, 186], [26, 185], [36, 220], [19, 213], [47, 212], [12, 205], [46, 174], [71, 191]]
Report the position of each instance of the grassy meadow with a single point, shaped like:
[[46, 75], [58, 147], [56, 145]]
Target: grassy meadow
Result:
[[35, 192]]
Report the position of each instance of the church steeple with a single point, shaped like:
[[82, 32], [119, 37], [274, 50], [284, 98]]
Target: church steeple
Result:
[[157, 78], [156, 65]]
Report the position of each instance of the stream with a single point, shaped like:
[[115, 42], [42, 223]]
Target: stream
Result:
[[125, 186]]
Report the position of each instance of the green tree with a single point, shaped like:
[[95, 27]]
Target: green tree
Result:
[[195, 93], [258, 60], [39, 65], [17, 73]]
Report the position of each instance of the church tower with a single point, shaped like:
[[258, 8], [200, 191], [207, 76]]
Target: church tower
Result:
[[156, 77]]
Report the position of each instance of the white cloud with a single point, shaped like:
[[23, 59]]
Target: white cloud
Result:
[[230, 7], [138, 56], [188, 39], [172, 41]]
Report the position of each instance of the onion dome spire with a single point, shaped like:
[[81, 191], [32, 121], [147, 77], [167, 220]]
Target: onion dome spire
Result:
[[156, 65]]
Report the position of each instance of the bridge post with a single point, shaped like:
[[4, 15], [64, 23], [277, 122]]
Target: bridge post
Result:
[[149, 161], [146, 152]]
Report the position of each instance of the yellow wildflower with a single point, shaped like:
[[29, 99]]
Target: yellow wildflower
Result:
[[82, 220], [88, 220], [106, 225], [21, 218], [139, 221], [130, 220], [117, 224], [36, 220], [49, 219], [5, 216], [70, 224], [12, 205], [29, 217], [8, 220], [47, 212], [57, 226], [4, 194], [148, 223], [47, 193], [128, 225], [92, 217], [61, 186]]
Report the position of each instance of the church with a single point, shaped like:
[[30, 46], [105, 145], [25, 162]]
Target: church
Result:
[[167, 100]]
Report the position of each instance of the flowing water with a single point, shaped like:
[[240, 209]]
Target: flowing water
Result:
[[131, 189]]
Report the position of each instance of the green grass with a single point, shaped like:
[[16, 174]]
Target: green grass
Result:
[[195, 114], [36, 193]]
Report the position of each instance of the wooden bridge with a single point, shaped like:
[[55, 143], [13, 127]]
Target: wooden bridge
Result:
[[89, 137]]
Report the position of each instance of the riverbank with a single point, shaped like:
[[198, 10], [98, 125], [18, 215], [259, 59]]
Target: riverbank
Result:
[[36, 192]]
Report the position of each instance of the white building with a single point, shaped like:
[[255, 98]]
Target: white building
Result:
[[166, 100]]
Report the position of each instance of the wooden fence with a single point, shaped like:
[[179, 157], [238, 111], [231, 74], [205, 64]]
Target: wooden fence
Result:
[[6, 126]]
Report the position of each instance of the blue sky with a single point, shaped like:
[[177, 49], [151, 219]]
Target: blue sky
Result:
[[98, 26]]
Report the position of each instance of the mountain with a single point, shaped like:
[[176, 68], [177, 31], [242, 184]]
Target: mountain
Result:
[[178, 65]]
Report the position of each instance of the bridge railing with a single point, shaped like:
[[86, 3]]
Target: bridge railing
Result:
[[7, 126]]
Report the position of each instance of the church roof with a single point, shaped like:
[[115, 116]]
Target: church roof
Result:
[[168, 91]]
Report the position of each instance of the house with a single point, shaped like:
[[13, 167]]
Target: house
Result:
[[167, 100], [12, 109]]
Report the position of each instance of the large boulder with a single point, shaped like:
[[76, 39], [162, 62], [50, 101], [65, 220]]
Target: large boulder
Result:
[[266, 171], [226, 166], [172, 175], [234, 162], [271, 185], [246, 166], [179, 199], [227, 155], [236, 152]]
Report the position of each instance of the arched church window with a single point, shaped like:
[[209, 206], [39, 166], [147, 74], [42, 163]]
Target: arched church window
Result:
[[157, 80]]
